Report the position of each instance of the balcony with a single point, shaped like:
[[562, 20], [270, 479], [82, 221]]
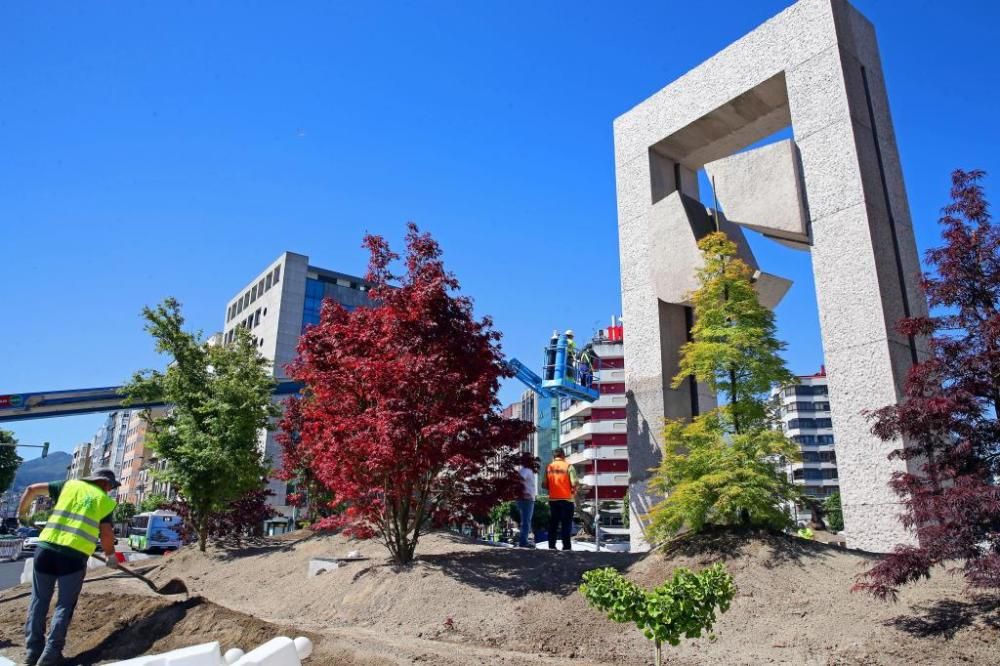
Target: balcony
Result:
[[583, 408], [589, 429], [598, 453], [605, 479]]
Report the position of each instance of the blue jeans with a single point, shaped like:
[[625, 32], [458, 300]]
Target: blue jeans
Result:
[[526, 508], [42, 587]]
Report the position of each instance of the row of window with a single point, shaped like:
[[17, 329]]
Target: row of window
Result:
[[809, 474], [819, 456], [251, 295], [804, 390], [808, 406], [820, 491], [794, 424], [253, 321], [813, 439]]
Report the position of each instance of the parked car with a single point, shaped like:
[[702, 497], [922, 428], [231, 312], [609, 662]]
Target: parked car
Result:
[[30, 541]]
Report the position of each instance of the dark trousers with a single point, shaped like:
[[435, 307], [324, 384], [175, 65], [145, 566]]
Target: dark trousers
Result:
[[560, 523]]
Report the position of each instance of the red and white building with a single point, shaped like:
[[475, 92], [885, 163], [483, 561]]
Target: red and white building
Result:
[[593, 433]]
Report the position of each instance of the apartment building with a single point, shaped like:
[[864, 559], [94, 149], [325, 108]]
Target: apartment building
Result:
[[593, 434], [80, 466], [804, 410]]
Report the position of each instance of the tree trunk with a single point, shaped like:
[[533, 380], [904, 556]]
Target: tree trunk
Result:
[[659, 654]]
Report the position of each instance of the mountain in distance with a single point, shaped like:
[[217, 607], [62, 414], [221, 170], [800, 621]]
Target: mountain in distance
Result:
[[51, 468]]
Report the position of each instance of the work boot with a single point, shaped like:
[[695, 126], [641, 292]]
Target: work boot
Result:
[[31, 657], [51, 659]]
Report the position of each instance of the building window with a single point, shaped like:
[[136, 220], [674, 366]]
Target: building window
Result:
[[260, 287], [267, 282], [824, 423], [253, 294], [277, 274], [821, 406], [256, 318], [824, 439]]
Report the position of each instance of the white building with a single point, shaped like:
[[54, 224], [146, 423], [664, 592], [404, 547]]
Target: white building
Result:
[[80, 467], [804, 410], [593, 434], [275, 307]]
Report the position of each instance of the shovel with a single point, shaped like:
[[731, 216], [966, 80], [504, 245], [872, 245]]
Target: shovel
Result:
[[172, 586]]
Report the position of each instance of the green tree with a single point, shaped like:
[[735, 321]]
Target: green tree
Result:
[[683, 607], [124, 512], [834, 514], [152, 503], [723, 468], [9, 460], [221, 397]]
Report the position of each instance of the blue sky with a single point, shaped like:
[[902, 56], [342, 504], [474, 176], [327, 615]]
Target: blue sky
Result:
[[154, 149]]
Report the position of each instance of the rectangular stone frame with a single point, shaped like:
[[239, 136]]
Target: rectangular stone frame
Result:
[[864, 255]]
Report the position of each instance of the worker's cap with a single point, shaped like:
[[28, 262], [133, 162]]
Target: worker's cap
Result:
[[105, 474], [569, 333]]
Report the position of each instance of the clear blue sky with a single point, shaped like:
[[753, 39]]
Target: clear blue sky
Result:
[[154, 149]]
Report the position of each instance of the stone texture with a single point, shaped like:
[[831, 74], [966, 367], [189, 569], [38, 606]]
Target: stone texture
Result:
[[802, 67], [761, 189]]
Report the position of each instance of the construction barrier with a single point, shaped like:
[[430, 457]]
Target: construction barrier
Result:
[[281, 651], [10, 549]]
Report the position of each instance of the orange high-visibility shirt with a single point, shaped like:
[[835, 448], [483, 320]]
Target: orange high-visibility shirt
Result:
[[560, 476]]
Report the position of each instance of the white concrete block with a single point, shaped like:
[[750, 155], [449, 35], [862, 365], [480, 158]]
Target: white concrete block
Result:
[[205, 654], [318, 566]]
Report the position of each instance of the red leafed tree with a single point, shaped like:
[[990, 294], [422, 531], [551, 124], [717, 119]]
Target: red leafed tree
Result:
[[399, 416], [950, 406], [296, 464]]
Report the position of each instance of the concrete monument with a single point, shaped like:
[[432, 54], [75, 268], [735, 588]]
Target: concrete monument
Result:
[[835, 189]]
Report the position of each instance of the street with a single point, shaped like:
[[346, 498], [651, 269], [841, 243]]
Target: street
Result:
[[10, 574]]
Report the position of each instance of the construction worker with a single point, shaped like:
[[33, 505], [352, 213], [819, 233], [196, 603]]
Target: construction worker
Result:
[[570, 356], [587, 366], [79, 520], [560, 481]]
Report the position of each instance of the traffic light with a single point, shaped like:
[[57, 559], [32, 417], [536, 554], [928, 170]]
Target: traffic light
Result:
[[45, 449]]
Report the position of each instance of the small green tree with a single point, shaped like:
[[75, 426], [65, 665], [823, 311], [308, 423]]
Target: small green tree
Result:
[[9, 460], [723, 467], [124, 512], [39, 517], [221, 397], [683, 607], [153, 502], [834, 513]]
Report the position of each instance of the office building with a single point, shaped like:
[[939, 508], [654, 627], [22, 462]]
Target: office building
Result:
[[804, 410], [275, 307]]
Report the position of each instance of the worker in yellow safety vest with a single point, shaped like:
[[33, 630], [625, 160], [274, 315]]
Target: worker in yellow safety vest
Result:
[[560, 480], [80, 519]]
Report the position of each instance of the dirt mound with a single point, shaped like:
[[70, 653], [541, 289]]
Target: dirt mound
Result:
[[109, 628], [794, 603], [467, 603]]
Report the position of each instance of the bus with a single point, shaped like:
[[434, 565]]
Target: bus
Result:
[[155, 530]]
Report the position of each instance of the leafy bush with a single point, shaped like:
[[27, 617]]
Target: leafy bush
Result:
[[834, 514], [683, 607]]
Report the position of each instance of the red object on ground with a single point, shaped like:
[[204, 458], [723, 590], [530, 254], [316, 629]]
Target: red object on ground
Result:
[[120, 557]]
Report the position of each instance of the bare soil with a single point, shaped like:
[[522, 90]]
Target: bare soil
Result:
[[466, 603]]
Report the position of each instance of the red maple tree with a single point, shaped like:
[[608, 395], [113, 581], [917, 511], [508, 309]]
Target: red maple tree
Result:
[[949, 410], [399, 416]]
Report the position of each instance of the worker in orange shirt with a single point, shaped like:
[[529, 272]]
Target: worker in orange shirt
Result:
[[560, 481]]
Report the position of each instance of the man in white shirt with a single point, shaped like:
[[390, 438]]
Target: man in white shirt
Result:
[[526, 505]]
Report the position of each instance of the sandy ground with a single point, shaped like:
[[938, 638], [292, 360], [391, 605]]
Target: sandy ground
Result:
[[464, 603]]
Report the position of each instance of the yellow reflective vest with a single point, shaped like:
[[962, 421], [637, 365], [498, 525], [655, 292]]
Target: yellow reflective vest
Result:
[[75, 522]]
